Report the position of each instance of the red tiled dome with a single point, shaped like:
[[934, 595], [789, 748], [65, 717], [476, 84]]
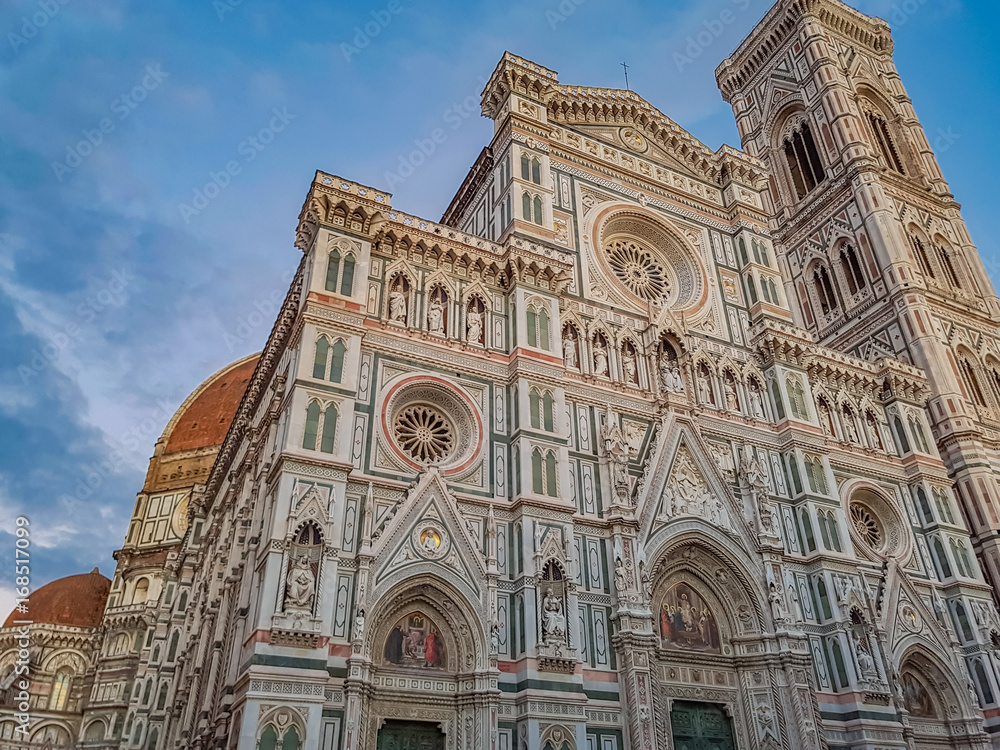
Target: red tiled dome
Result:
[[77, 601], [204, 419]]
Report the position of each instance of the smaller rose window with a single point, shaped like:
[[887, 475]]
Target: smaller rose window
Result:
[[867, 525], [424, 433], [638, 270]]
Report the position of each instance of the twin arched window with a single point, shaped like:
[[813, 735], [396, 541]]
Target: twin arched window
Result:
[[335, 371], [531, 208], [538, 327], [542, 408], [828, 530], [883, 140], [59, 697], [803, 160], [531, 169], [543, 472], [824, 289], [972, 381], [340, 273], [321, 424], [852, 269]]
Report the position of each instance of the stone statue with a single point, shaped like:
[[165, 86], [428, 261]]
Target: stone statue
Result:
[[359, 624], [495, 638], [756, 402], [777, 602], [435, 317], [397, 306], [704, 390], [873, 435], [474, 326], [569, 352], [628, 366], [301, 587], [670, 377], [553, 618], [732, 402], [865, 661], [600, 359]]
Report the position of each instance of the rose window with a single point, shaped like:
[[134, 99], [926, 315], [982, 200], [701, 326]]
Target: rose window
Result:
[[424, 433], [867, 525], [638, 270]]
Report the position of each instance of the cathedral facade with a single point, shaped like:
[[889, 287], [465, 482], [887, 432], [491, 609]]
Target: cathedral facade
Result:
[[642, 446]]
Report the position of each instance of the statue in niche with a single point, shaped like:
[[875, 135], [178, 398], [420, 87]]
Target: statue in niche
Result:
[[600, 357], [569, 352], [756, 400], [729, 387], [435, 315], [865, 661], [301, 587], [628, 365], [553, 616], [704, 382], [474, 324], [397, 305], [670, 377]]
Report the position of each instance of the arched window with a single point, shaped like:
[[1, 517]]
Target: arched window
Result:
[[61, 683], [332, 271], [756, 251], [526, 206], [897, 427], [340, 273], [154, 736], [329, 429], [538, 327], [824, 290], [525, 167], [291, 739], [312, 426], [774, 291], [347, 277], [147, 693], [922, 260], [537, 479], [743, 251], [807, 531], [137, 733], [534, 406], [917, 428], [543, 470], [924, 506], [985, 691], [824, 598], [803, 160], [852, 269], [141, 592], [268, 738], [941, 559], [319, 362], [751, 288], [339, 350], [840, 669], [536, 172], [174, 641], [537, 203], [550, 474], [161, 701], [972, 381], [964, 626], [943, 505], [885, 144], [944, 255], [548, 412]]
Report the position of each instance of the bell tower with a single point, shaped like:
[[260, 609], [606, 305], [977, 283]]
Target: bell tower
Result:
[[876, 257]]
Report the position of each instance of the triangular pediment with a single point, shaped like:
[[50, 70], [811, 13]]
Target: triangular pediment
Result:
[[904, 616], [428, 534], [653, 152], [686, 484]]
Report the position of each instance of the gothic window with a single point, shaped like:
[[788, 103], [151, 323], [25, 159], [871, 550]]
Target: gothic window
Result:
[[961, 555], [840, 668], [816, 474], [922, 260], [536, 172], [538, 327], [852, 269], [828, 530], [964, 626], [803, 160], [537, 206], [320, 423], [172, 651], [542, 408], [924, 506], [824, 598], [941, 560], [985, 691], [147, 694], [779, 407], [526, 206], [751, 288], [161, 701], [774, 290], [59, 696], [340, 273], [917, 428], [319, 362], [969, 374], [743, 251], [543, 472], [897, 427], [141, 591], [807, 532], [943, 505], [944, 256], [885, 143], [268, 738], [525, 167], [796, 398], [824, 289]]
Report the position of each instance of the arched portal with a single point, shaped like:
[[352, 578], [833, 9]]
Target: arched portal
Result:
[[939, 716]]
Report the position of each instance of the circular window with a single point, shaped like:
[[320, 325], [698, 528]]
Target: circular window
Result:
[[424, 433], [428, 421], [867, 525], [636, 268]]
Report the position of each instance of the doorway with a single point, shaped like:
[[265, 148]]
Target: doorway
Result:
[[410, 735], [701, 726]]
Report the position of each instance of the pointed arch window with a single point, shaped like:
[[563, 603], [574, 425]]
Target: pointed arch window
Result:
[[321, 424], [536, 171], [949, 268], [803, 160], [824, 289], [525, 167], [538, 327], [852, 269], [543, 470], [985, 690], [59, 696], [941, 560], [319, 362], [969, 373], [924, 506], [537, 204], [885, 143], [161, 701], [897, 427], [340, 273], [526, 206], [922, 260]]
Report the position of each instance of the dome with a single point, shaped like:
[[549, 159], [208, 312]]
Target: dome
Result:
[[76, 601], [204, 418]]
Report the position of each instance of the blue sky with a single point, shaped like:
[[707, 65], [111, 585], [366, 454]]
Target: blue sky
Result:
[[121, 289]]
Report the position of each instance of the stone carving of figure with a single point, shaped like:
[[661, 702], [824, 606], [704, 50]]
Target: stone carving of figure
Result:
[[435, 317], [569, 352], [865, 660], [628, 366], [851, 429], [732, 403], [359, 624], [553, 617], [474, 326], [704, 389], [873, 435], [756, 402], [777, 602], [495, 638], [600, 359], [301, 586], [670, 377], [397, 306], [793, 596]]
